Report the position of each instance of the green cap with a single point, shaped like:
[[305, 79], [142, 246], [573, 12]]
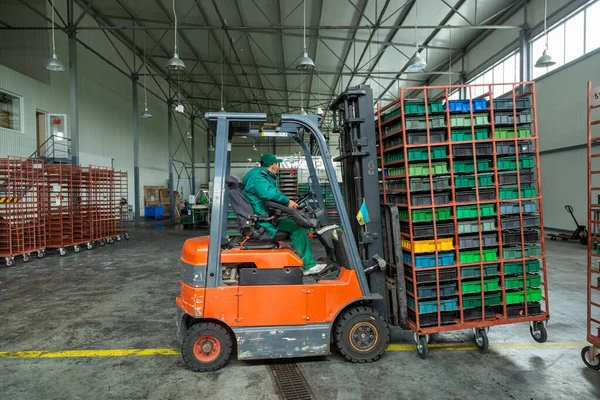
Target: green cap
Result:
[[269, 159]]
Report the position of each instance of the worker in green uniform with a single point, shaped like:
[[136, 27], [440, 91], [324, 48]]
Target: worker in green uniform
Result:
[[260, 185]]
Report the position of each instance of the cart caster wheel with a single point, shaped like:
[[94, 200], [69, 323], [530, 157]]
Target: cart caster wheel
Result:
[[422, 345], [41, 254], [89, 246], [585, 356], [118, 238], [62, 251], [26, 257], [538, 332], [481, 339], [361, 335], [76, 249], [127, 236], [111, 241], [101, 242], [10, 261], [206, 347]]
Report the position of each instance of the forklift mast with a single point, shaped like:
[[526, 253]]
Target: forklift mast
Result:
[[353, 120]]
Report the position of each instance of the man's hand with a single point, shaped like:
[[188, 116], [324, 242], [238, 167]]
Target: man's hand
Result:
[[293, 205]]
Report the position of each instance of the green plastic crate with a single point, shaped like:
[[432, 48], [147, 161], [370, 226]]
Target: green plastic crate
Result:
[[533, 294], [486, 210], [489, 285], [411, 108], [510, 253], [531, 266], [420, 154], [524, 132], [510, 192], [516, 282], [423, 169], [526, 162], [442, 214], [491, 299], [435, 106], [528, 191], [473, 256], [504, 133], [467, 166], [510, 163], [475, 271], [460, 135]]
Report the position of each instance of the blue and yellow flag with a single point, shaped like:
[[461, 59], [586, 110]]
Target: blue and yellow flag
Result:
[[363, 214]]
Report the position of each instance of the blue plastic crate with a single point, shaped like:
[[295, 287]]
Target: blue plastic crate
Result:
[[479, 105], [463, 105], [431, 306], [426, 261], [154, 212]]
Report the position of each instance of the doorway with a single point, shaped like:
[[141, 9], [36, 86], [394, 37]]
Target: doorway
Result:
[[40, 125]]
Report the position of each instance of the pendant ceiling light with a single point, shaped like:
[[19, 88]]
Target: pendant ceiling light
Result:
[[416, 63], [146, 113], [53, 63], [302, 112], [305, 63], [254, 145], [545, 60], [175, 63], [211, 147]]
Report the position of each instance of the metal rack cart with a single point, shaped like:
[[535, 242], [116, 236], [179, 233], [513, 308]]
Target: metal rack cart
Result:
[[121, 204], [102, 208], [465, 177], [22, 209], [591, 354]]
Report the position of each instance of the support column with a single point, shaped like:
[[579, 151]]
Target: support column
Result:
[[192, 131], [524, 48], [74, 122], [207, 156], [136, 148], [170, 145]]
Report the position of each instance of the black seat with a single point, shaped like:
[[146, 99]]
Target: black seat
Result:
[[255, 237]]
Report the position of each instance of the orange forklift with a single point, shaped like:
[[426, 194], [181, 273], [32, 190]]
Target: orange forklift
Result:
[[248, 293]]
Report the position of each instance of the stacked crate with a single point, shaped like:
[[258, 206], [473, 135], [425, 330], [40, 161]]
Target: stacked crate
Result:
[[330, 207], [465, 176], [288, 182]]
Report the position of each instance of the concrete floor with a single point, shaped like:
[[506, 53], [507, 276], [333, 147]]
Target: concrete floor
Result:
[[122, 296]]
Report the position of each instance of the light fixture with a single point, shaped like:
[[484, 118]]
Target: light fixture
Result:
[[302, 112], [146, 113], [188, 135], [254, 146], [305, 63], [416, 63], [545, 60], [211, 147], [175, 63], [53, 63]]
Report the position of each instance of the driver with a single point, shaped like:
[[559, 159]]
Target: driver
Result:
[[260, 185]]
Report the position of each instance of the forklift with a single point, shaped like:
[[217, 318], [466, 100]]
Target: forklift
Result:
[[248, 293]]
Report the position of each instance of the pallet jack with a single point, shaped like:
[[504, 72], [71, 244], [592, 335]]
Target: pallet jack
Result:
[[250, 296], [580, 233]]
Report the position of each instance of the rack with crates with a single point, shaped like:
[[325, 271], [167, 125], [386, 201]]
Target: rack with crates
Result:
[[288, 182], [473, 207]]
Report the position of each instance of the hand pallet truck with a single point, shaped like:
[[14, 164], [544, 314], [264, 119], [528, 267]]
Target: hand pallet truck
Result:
[[580, 233]]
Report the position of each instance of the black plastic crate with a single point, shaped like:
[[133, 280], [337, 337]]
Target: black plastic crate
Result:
[[465, 196], [421, 137], [481, 149], [508, 148], [510, 177], [515, 222], [508, 118], [471, 242], [475, 313], [446, 274], [518, 310], [447, 317], [426, 230], [508, 104], [425, 199], [441, 182], [514, 236]]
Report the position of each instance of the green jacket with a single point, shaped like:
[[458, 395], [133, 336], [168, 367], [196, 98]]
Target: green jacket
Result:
[[260, 185]]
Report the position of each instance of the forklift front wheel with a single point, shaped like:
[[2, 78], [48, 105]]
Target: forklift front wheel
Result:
[[206, 347], [362, 335]]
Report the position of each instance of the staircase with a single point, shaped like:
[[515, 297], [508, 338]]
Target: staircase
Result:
[[55, 150]]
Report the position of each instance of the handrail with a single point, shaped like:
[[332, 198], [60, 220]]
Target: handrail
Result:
[[49, 147]]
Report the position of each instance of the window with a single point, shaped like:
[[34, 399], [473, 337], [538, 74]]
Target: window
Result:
[[570, 39], [10, 111], [505, 71]]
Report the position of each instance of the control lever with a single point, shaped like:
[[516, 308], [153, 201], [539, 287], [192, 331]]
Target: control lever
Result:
[[381, 264]]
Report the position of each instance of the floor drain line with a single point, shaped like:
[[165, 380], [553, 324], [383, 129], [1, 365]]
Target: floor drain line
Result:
[[291, 383]]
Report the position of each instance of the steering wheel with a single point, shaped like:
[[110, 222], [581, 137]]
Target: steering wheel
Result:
[[302, 201], [301, 218]]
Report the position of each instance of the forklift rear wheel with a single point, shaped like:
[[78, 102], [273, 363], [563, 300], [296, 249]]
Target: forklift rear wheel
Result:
[[362, 335], [206, 347], [481, 339], [538, 332], [585, 356]]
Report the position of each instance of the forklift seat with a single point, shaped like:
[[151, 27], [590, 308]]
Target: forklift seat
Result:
[[258, 239]]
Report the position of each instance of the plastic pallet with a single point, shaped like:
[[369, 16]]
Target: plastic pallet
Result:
[[472, 242], [426, 230], [533, 294], [516, 268], [515, 222], [473, 256], [432, 319], [461, 135], [473, 226], [421, 137], [514, 237], [475, 271], [486, 210], [516, 282], [481, 149], [518, 310], [508, 148], [466, 196], [510, 177], [428, 261], [514, 208], [489, 285], [429, 246], [447, 274], [491, 299]]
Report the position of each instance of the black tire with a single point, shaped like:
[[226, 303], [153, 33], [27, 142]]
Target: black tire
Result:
[[481, 340], [26, 258], [422, 347], [583, 240], [362, 335], [101, 242], [191, 349], [76, 249], [542, 334], [595, 364]]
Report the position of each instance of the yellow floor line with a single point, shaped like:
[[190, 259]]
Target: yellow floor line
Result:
[[172, 351]]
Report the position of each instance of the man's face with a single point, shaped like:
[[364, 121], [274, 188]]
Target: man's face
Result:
[[275, 168]]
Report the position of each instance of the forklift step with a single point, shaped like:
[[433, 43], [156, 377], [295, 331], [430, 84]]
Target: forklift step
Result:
[[276, 276]]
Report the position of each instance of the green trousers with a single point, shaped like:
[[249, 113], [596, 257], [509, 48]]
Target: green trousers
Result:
[[300, 241]]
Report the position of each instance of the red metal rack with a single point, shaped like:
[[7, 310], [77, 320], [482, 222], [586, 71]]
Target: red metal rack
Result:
[[591, 354], [22, 209], [489, 316], [103, 212], [121, 204]]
